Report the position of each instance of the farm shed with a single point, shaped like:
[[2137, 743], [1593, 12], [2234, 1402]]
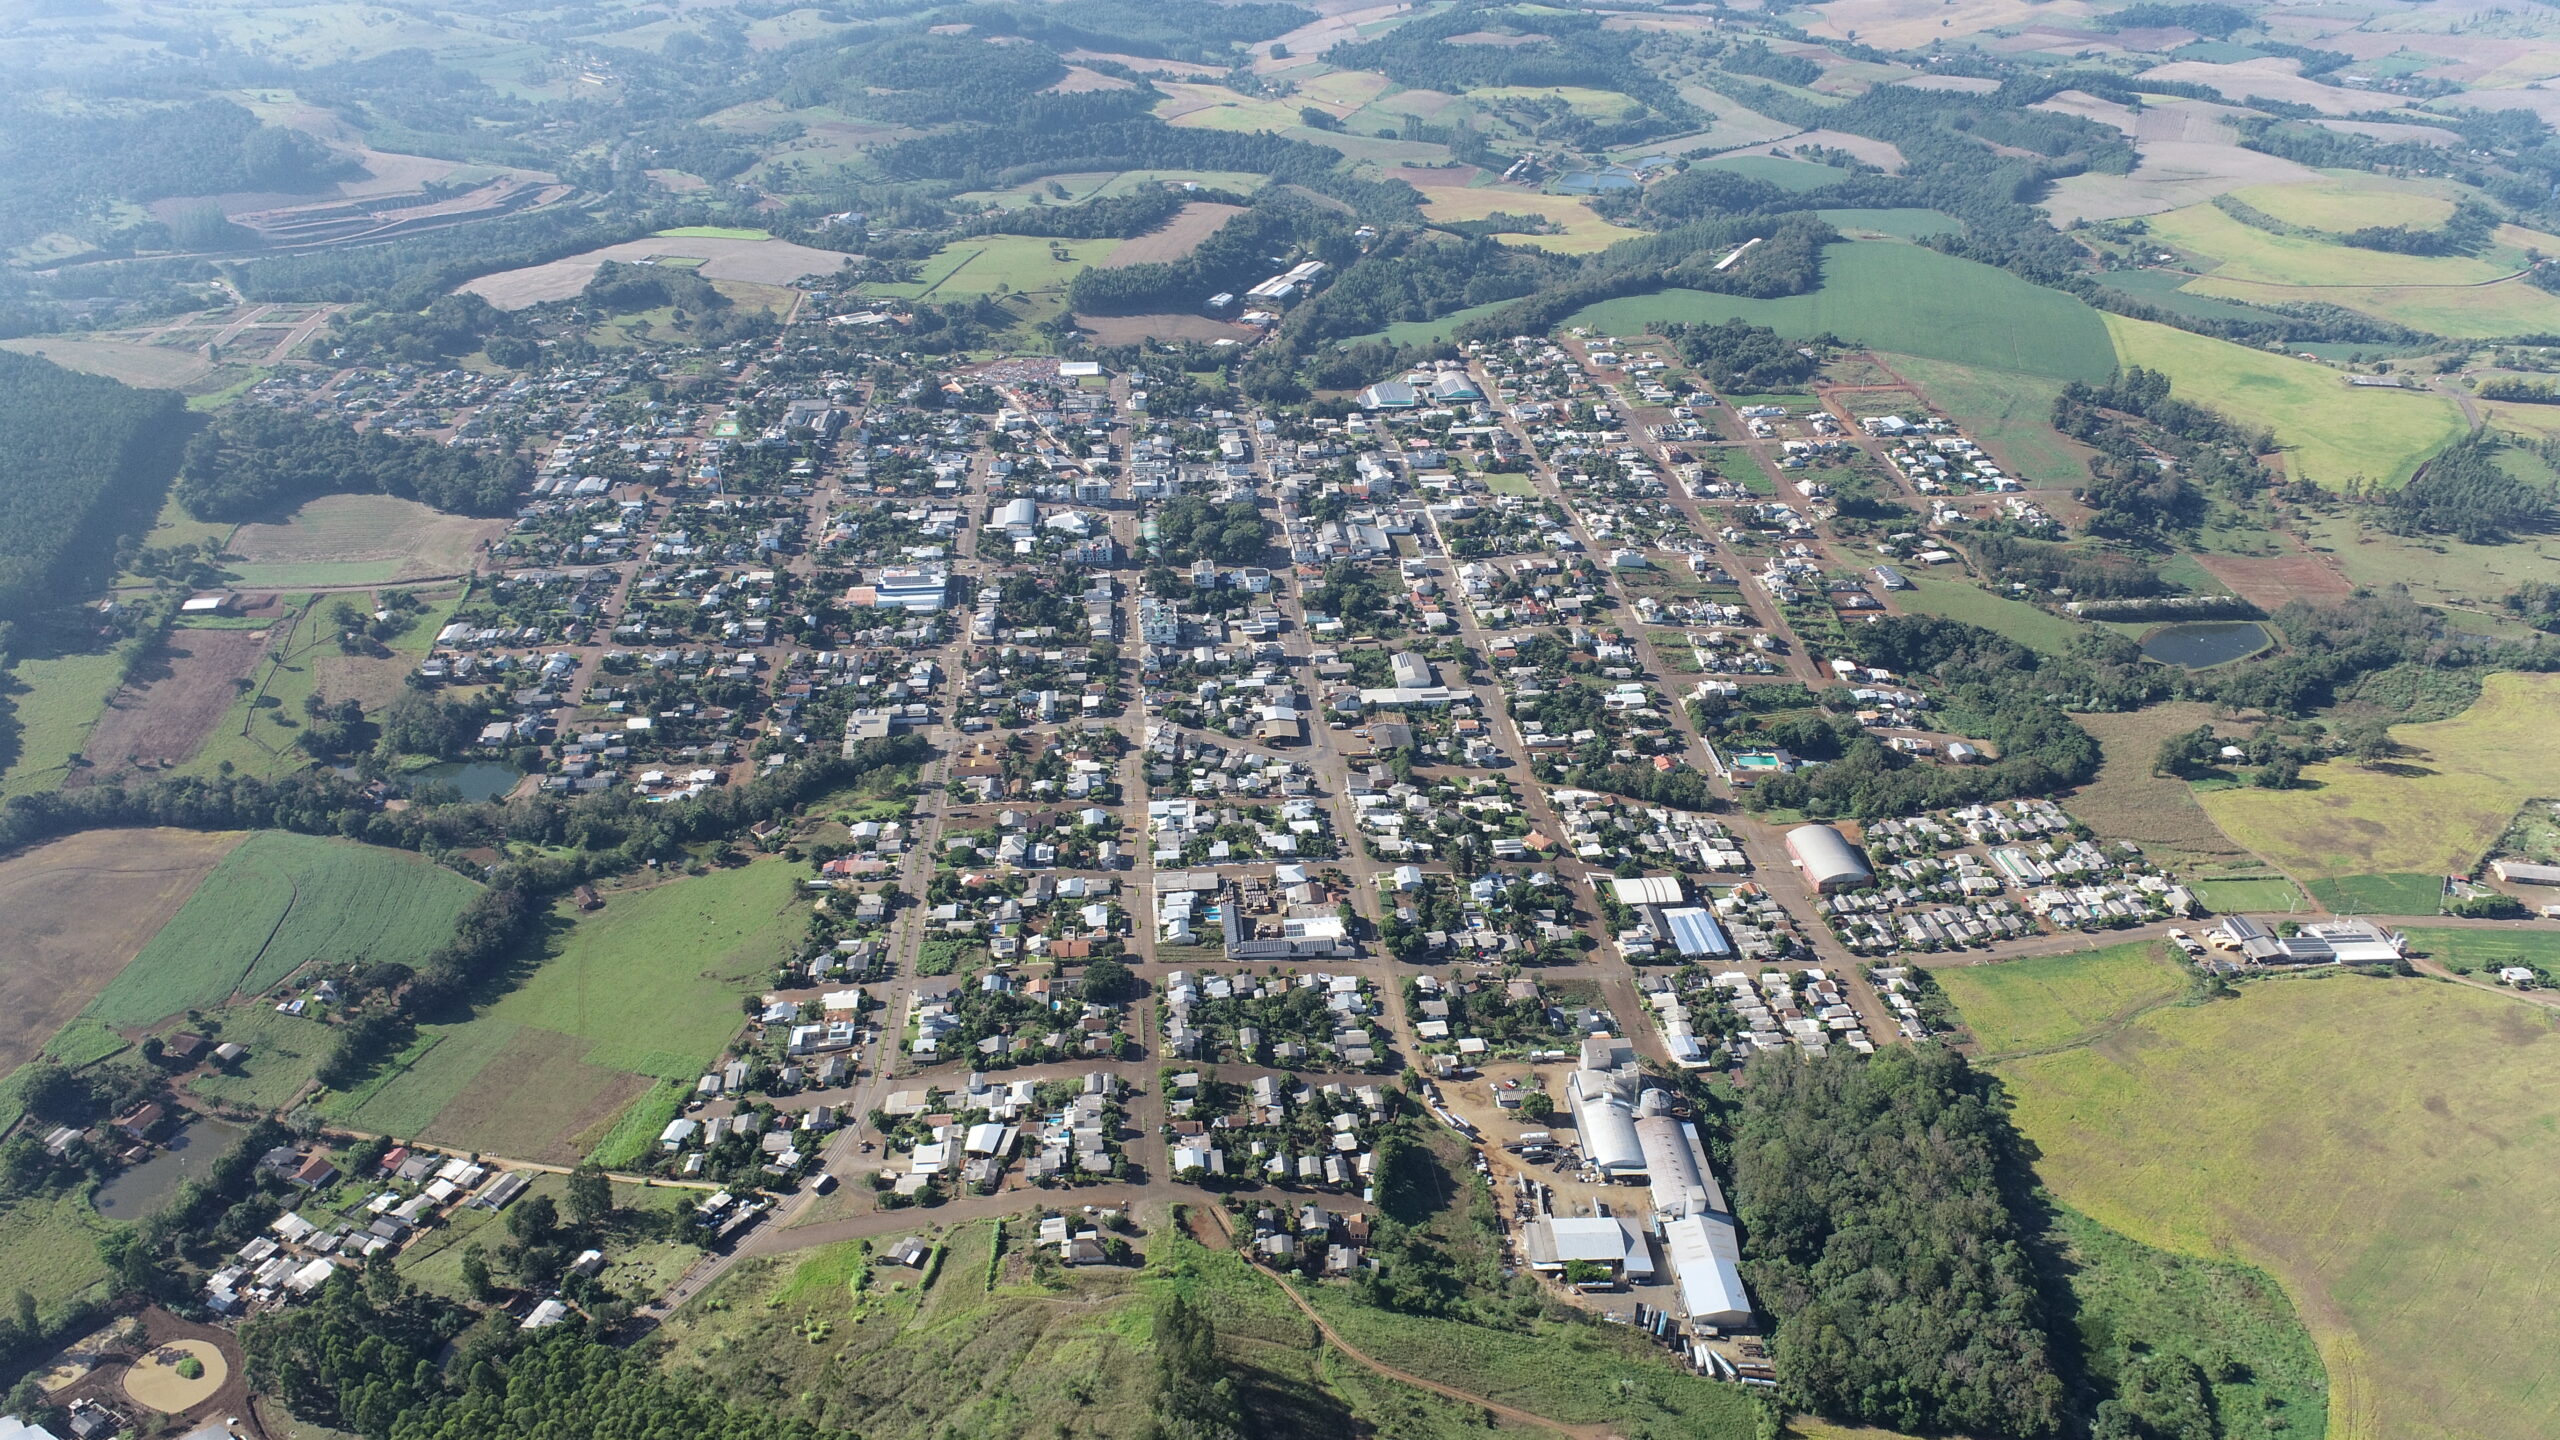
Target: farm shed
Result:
[[1828, 860]]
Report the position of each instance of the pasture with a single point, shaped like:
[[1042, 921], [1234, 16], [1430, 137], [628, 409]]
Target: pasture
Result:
[[276, 903], [2432, 811], [1583, 231], [985, 264], [2157, 812], [2246, 253], [2350, 204], [2438, 569], [646, 988], [1796, 175], [1907, 299], [56, 703], [2016, 1007], [2377, 1145], [2330, 432], [358, 540], [284, 1051], [79, 908], [1953, 598]]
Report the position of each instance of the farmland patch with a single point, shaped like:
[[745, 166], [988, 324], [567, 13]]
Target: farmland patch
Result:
[[389, 540], [2020, 1006], [79, 908], [1179, 236], [183, 697], [276, 903], [1911, 300]]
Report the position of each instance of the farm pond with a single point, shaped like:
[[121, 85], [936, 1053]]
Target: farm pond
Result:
[[183, 1157], [2203, 644]]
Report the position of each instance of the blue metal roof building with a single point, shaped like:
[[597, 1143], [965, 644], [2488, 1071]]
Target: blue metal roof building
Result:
[[1695, 932]]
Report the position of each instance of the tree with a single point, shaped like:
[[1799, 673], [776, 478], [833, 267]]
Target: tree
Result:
[[1105, 980], [2188, 755], [1537, 1107], [590, 1195], [2368, 740], [1585, 1272], [475, 1274], [533, 1222]]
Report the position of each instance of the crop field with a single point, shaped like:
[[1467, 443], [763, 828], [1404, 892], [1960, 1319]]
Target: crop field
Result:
[[645, 988], [2468, 949], [2449, 794], [1215, 107], [2331, 432], [1584, 231], [152, 367], [49, 1248], [1955, 599], [2008, 413], [2016, 1007], [79, 908], [279, 902], [56, 703], [2127, 802], [2375, 1144], [2479, 311], [372, 539], [2246, 253], [1909, 300]]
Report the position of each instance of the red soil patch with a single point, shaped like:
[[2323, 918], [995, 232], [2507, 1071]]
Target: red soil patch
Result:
[[1130, 329], [168, 718], [2269, 581], [1178, 236], [1433, 177]]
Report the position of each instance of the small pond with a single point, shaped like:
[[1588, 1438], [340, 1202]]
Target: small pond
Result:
[[2204, 643], [476, 779], [183, 1157]]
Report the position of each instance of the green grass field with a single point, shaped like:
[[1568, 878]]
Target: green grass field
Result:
[[2249, 897], [284, 1050], [1796, 175], [982, 264], [49, 1249], [1905, 224], [2010, 413], [2342, 205], [279, 902], [2460, 782], [2331, 432], [645, 988], [2378, 894], [2378, 1145], [715, 232], [2020, 1006], [2466, 950], [1908, 299], [1510, 485], [2233, 1320], [1954, 599], [57, 702], [2249, 254]]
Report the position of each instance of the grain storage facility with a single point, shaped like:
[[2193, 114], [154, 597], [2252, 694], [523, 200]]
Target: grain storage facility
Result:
[[1828, 860]]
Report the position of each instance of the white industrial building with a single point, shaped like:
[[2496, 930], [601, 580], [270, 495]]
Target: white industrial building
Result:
[[1606, 1119], [1828, 860], [1706, 1256]]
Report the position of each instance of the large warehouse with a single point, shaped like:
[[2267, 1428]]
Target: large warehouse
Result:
[[1607, 1123], [1828, 860]]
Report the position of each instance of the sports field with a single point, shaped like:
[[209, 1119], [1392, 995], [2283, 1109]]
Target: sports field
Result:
[[2381, 1146], [645, 988], [2466, 949], [983, 263], [2023, 1006], [2331, 432], [277, 903], [2449, 794]]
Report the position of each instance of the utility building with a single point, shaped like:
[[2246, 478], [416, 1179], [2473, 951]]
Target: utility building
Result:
[[1828, 860]]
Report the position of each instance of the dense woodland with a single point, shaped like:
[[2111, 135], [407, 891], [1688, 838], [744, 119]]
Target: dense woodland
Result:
[[257, 461], [88, 458], [1874, 1195]]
